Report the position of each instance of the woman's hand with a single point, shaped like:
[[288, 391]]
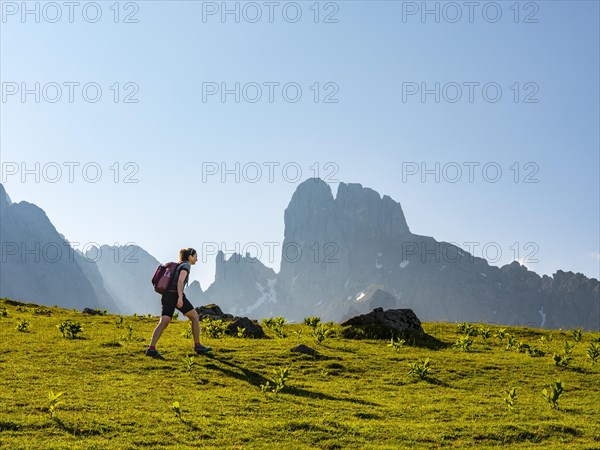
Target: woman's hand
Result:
[[180, 302]]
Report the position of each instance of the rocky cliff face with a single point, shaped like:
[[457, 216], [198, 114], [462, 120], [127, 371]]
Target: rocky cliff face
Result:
[[38, 265], [243, 286], [339, 250], [341, 257], [333, 245], [126, 271]]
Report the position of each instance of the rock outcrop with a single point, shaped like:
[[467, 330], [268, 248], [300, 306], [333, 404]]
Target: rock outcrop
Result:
[[384, 324], [214, 312], [39, 265], [243, 285], [338, 250]]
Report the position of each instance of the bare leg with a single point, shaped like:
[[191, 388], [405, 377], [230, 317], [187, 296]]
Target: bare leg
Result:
[[162, 324], [193, 316]]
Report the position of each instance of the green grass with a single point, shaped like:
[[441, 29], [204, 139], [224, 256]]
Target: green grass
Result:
[[354, 394]]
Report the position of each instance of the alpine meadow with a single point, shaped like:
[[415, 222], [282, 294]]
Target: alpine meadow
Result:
[[79, 381], [308, 224]]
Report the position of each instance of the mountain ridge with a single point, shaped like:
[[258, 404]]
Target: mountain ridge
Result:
[[342, 248]]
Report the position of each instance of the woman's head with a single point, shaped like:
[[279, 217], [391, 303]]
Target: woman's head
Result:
[[188, 255]]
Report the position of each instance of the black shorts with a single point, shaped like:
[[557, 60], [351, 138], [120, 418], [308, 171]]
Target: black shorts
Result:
[[169, 303]]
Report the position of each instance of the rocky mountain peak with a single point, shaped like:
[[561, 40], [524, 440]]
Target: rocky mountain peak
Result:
[[4, 198]]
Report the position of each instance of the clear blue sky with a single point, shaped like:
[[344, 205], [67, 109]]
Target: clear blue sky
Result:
[[372, 135]]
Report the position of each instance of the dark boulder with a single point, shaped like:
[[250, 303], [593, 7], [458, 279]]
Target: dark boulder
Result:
[[380, 324], [214, 312], [251, 329]]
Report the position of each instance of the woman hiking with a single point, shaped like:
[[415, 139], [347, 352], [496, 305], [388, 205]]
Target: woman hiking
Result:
[[175, 298]]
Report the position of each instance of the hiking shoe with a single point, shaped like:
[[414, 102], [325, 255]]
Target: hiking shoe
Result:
[[153, 353], [201, 349]]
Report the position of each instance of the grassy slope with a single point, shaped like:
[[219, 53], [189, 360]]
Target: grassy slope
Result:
[[357, 394]]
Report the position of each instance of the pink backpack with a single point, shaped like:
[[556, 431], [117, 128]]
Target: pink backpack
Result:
[[163, 276]]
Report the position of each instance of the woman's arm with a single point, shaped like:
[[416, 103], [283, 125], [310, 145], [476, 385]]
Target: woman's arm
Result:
[[182, 274]]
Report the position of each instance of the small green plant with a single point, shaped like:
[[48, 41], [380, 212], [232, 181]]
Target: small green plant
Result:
[[577, 334], [568, 348], [511, 396], [511, 341], [3, 312], [175, 316], [535, 352], [500, 334], [23, 325], [69, 329], [41, 311], [522, 347], [189, 363], [119, 322], [298, 334], [397, 344], [553, 394], [176, 408], [187, 333], [561, 360], [101, 312], [214, 328], [419, 369], [312, 321], [593, 352], [54, 401], [128, 332], [240, 332], [322, 332], [276, 325], [280, 378], [466, 328], [565, 359], [464, 343], [278, 381], [485, 333]]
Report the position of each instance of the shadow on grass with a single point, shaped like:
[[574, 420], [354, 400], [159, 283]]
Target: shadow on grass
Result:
[[437, 382], [257, 379], [318, 395], [427, 341], [193, 427], [77, 431], [359, 332], [581, 370], [247, 375], [9, 426]]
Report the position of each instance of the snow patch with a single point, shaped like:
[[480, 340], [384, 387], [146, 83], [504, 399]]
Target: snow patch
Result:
[[294, 281], [404, 263], [377, 265], [480, 273], [442, 268], [360, 296], [543, 314], [268, 295]]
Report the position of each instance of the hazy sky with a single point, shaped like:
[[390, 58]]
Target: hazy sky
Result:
[[482, 121]]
